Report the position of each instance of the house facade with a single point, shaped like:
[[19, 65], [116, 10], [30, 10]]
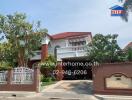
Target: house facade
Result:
[[66, 47]]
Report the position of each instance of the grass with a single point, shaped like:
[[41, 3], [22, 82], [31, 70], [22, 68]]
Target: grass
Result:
[[47, 83], [44, 84]]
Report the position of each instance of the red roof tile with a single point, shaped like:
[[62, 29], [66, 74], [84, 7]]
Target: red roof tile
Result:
[[128, 46], [69, 34]]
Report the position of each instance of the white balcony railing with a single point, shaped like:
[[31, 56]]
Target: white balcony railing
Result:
[[73, 51], [65, 52]]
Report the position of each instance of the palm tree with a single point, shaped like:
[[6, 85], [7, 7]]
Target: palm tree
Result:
[[128, 7]]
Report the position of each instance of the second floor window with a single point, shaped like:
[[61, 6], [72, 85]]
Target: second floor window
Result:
[[77, 42]]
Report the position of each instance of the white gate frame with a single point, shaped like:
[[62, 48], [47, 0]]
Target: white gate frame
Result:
[[3, 77], [22, 75]]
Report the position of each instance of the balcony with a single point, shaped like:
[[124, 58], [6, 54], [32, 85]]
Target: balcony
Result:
[[64, 52], [37, 55], [68, 52]]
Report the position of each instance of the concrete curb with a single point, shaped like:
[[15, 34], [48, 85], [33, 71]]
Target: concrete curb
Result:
[[16, 94], [113, 97]]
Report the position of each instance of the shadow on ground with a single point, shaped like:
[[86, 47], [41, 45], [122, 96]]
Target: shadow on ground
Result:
[[77, 87]]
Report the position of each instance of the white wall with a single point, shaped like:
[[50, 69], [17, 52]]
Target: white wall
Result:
[[64, 43], [61, 43], [54, 43]]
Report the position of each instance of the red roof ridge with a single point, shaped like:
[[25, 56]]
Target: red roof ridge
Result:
[[69, 34]]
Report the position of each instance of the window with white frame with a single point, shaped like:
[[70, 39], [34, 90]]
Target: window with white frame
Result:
[[77, 42]]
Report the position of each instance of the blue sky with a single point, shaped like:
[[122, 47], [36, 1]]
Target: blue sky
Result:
[[73, 16]]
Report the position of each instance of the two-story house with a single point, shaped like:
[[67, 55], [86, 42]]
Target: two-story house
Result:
[[66, 47]]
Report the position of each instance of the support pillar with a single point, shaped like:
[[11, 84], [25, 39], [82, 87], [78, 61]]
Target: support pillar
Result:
[[44, 51], [59, 74], [37, 79], [44, 48]]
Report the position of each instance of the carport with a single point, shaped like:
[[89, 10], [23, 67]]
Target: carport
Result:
[[77, 69]]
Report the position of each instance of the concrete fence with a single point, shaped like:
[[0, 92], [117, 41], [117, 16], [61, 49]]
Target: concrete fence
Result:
[[20, 79], [114, 78]]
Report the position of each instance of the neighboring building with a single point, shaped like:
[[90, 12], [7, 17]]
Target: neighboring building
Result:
[[67, 46], [129, 45]]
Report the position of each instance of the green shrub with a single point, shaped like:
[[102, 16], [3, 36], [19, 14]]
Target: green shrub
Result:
[[46, 79], [49, 62], [5, 65]]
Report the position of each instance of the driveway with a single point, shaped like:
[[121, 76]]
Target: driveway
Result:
[[62, 90], [73, 89], [69, 90]]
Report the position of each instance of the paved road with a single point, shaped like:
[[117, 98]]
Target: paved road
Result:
[[40, 98]]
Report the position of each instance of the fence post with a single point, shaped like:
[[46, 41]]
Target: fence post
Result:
[[37, 78], [9, 79], [59, 75]]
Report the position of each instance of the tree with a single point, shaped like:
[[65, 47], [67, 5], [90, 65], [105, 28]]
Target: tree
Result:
[[7, 59], [23, 36], [7, 54], [129, 54], [128, 7], [104, 49], [47, 67], [49, 62]]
